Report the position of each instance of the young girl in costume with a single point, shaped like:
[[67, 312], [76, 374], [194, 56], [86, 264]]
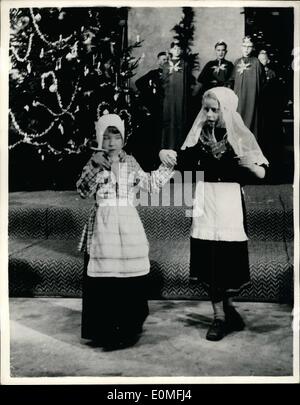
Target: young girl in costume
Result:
[[220, 145], [116, 248]]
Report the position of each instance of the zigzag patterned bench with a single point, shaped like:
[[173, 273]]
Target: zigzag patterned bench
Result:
[[54, 268], [44, 260]]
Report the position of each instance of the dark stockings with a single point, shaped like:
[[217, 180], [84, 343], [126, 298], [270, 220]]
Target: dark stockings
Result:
[[220, 302]]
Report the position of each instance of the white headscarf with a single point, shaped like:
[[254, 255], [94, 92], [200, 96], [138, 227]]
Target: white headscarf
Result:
[[240, 137], [108, 120]]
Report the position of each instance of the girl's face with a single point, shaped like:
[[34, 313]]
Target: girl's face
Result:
[[112, 141], [212, 110]]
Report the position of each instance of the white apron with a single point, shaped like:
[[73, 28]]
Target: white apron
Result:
[[218, 212]]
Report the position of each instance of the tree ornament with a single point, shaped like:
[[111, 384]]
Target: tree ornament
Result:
[[74, 50], [53, 88], [112, 49], [61, 15], [87, 40], [69, 56], [58, 64], [61, 128], [98, 70], [38, 17], [23, 22]]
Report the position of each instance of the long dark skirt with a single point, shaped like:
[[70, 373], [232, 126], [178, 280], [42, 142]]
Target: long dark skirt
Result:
[[113, 307], [221, 266]]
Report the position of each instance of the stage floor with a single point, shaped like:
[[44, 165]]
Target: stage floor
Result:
[[45, 342]]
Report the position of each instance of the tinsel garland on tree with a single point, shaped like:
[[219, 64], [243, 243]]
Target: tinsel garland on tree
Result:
[[68, 65]]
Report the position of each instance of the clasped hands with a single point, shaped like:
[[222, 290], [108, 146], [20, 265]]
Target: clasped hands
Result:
[[168, 157], [103, 161]]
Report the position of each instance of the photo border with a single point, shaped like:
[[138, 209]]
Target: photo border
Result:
[[6, 379]]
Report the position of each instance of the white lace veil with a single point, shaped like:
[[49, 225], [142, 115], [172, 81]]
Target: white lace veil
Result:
[[240, 137]]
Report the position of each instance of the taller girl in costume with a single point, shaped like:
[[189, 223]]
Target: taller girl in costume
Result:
[[220, 145]]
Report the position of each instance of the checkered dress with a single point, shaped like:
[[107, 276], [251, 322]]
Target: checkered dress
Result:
[[114, 233]]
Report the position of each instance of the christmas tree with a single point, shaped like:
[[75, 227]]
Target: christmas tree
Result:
[[67, 66]]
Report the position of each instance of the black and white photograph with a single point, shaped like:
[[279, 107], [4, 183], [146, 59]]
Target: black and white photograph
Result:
[[149, 193]]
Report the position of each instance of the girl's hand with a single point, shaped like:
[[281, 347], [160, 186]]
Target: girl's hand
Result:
[[168, 157], [247, 163], [100, 160], [244, 161], [122, 156]]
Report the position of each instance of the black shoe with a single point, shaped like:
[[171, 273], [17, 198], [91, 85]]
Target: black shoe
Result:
[[234, 321], [216, 331], [122, 339], [129, 341]]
